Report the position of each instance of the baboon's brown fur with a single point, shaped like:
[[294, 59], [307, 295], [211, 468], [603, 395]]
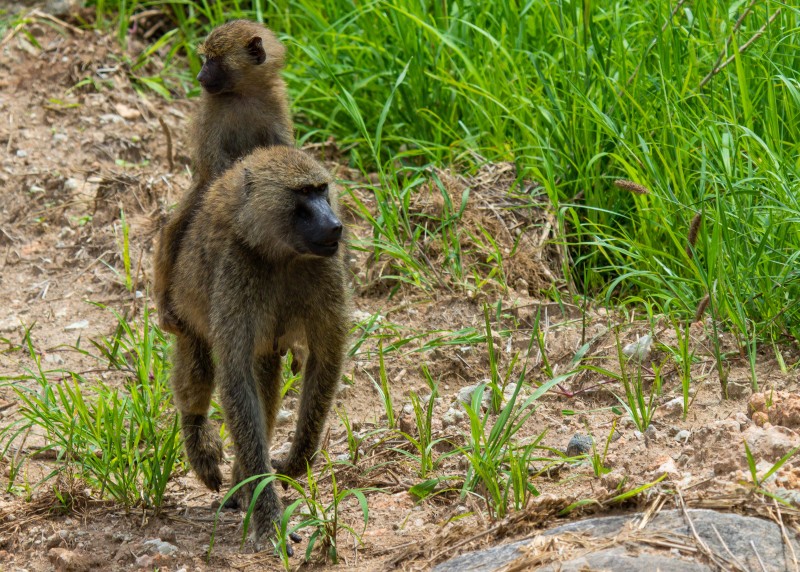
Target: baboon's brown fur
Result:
[[251, 110], [244, 287]]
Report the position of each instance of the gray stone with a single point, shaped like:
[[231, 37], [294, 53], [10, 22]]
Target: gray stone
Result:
[[452, 417], [579, 445], [156, 545], [284, 417], [738, 533], [682, 435]]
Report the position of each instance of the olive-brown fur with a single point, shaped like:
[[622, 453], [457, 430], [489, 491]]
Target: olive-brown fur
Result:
[[242, 290], [252, 112]]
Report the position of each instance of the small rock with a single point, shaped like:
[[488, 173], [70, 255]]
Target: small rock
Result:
[[284, 417], [59, 137], [9, 325], [640, 349], [579, 445], [21, 153], [57, 539], [156, 545], [650, 433], [167, 534], [465, 394], [77, 325], [738, 389], [71, 184], [682, 435], [64, 560], [111, 118], [127, 112], [771, 443], [673, 407], [452, 417], [54, 359], [780, 407]]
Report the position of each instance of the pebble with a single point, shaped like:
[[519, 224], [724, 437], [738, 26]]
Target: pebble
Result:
[[465, 393], [284, 417], [167, 534], [157, 545], [640, 349], [579, 445], [682, 435], [21, 153], [71, 184], [77, 325], [673, 407], [452, 417], [54, 359]]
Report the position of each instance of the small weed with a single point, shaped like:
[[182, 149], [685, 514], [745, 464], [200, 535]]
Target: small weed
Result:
[[639, 403], [424, 442], [382, 388], [124, 444], [322, 516], [599, 461]]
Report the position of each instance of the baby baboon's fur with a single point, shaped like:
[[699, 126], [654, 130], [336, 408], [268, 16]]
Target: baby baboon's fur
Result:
[[244, 106], [261, 268]]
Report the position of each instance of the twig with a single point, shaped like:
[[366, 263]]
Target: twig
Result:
[[736, 27], [742, 49], [168, 135], [758, 556], [725, 546], [786, 539], [716, 559]]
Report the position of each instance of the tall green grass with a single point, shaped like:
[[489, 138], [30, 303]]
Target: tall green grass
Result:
[[577, 94]]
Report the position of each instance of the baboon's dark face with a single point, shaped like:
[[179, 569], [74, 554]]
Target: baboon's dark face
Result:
[[315, 224], [213, 76], [236, 52]]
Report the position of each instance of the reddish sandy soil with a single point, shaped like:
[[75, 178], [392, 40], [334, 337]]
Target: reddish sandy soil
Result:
[[72, 157]]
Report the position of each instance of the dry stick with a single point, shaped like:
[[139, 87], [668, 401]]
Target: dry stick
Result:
[[786, 538], [715, 558], [742, 49], [168, 135], [736, 27], [758, 556], [725, 546]]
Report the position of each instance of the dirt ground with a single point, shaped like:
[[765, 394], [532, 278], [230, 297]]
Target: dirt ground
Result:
[[72, 157]]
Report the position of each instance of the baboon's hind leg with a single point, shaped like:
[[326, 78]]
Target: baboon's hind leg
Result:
[[192, 386]]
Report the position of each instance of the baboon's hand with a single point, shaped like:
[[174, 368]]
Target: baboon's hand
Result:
[[279, 468], [168, 321]]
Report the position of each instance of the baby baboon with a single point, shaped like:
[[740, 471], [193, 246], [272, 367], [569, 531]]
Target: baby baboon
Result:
[[261, 268], [244, 106]]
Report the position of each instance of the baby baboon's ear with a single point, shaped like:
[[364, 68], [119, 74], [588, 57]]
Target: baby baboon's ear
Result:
[[256, 49]]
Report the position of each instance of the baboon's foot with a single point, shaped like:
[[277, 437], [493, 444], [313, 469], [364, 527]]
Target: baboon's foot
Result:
[[204, 449]]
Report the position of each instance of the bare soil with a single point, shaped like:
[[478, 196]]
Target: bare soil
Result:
[[74, 157]]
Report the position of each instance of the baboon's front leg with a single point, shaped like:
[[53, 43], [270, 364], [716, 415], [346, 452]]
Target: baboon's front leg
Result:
[[244, 416]]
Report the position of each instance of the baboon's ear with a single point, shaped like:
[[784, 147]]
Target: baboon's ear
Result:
[[256, 49]]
